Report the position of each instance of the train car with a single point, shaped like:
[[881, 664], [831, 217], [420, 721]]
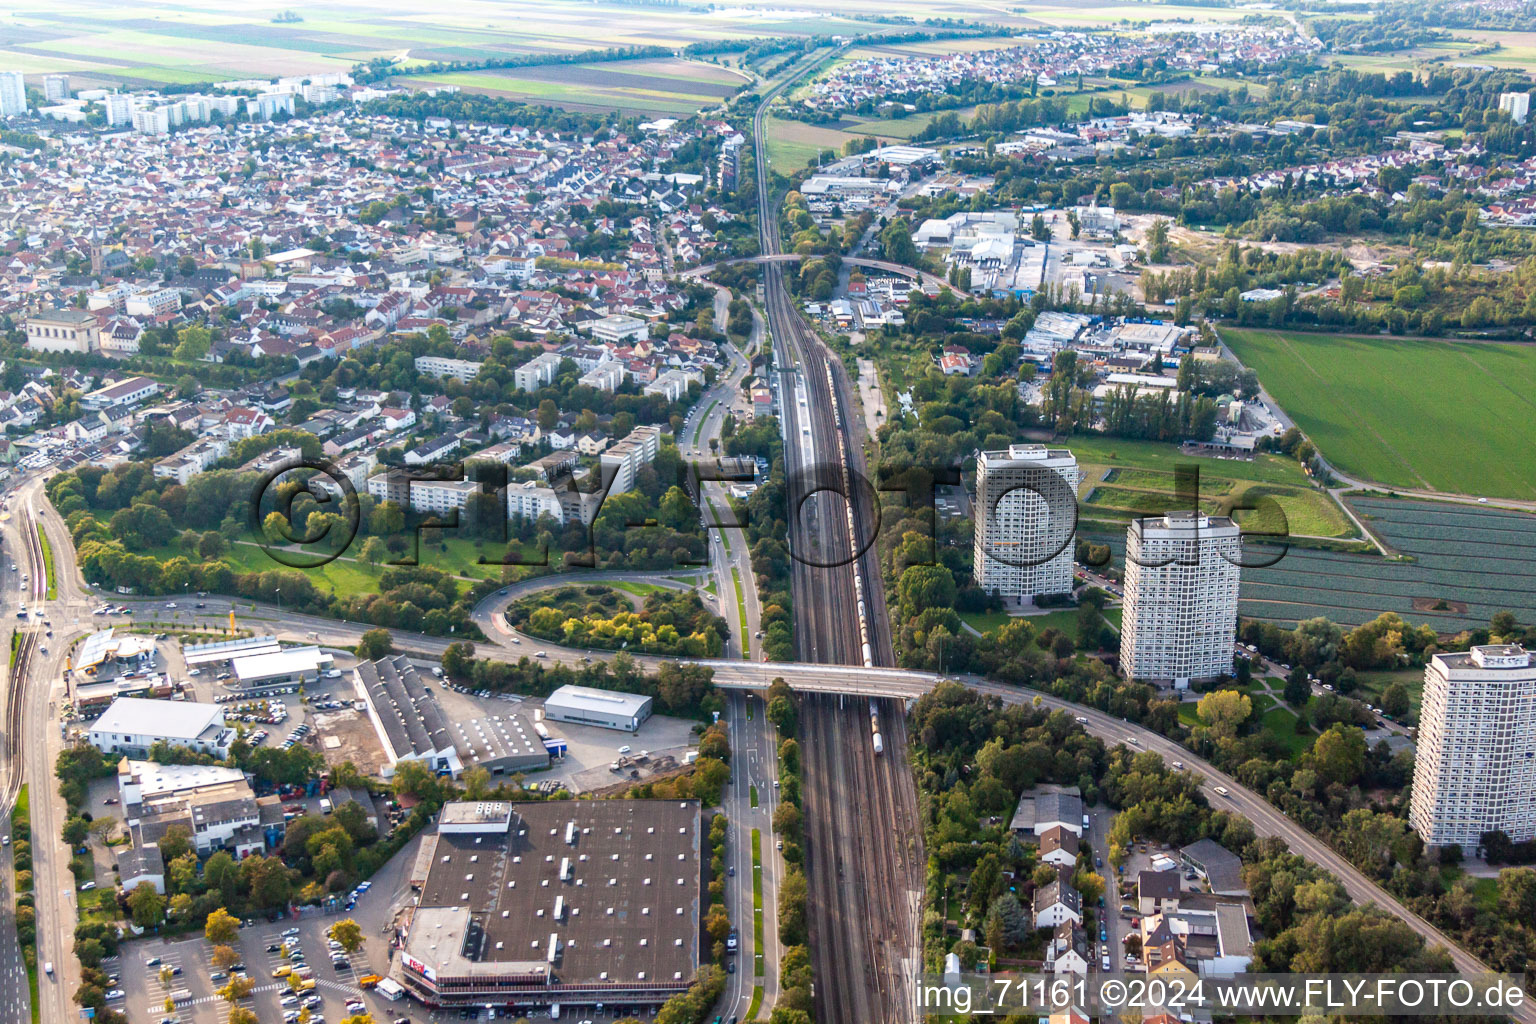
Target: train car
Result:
[[879, 745], [869, 661]]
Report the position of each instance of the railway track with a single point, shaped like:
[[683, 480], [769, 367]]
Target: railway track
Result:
[[16, 688], [863, 855]]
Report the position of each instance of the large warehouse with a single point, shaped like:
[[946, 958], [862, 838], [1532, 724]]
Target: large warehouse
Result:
[[576, 902], [411, 726], [607, 709], [132, 725]]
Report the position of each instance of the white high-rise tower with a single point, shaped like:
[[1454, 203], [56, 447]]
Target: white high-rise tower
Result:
[[1475, 766], [1181, 579], [1026, 521]]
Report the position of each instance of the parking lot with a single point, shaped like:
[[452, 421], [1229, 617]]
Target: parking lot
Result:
[[151, 971]]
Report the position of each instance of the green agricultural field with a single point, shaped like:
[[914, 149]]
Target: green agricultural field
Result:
[[1362, 400], [1065, 15], [793, 144], [672, 86], [1120, 484], [106, 43]]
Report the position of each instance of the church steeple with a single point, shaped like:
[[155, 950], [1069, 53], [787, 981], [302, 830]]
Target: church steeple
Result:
[[96, 260]]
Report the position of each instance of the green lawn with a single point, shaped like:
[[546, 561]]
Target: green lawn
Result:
[[638, 589], [1371, 685], [1362, 401], [985, 622], [1282, 722]]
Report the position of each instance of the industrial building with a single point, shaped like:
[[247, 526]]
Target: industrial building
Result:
[[606, 709], [222, 652], [214, 804], [291, 667], [1475, 769], [1026, 518], [405, 716], [132, 725], [577, 903], [1181, 580]]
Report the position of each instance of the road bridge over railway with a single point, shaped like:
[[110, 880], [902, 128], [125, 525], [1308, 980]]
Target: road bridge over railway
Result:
[[929, 282]]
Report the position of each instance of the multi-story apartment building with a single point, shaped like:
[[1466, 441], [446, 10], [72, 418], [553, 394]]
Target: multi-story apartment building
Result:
[[13, 93], [182, 466], [530, 499], [1475, 767], [625, 459], [56, 88], [119, 108], [536, 372], [1181, 578], [1516, 104], [153, 302], [1026, 521], [441, 496], [443, 366]]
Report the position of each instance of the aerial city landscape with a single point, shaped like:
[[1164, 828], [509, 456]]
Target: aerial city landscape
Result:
[[703, 513]]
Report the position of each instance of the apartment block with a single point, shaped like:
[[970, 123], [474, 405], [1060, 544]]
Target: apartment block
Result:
[[1026, 509], [1475, 767], [625, 459], [537, 372], [1181, 580], [442, 366]]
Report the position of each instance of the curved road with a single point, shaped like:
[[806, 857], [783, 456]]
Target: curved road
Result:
[[921, 276], [904, 683]]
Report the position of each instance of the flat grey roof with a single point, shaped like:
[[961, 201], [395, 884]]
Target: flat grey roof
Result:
[[630, 901]]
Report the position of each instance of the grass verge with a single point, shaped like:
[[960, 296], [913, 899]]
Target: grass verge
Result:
[[757, 906], [752, 795], [53, 587], [757, 1000], [741, 613]]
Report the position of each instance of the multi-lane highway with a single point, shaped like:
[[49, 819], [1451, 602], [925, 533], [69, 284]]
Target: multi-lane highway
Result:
[[863, 844]]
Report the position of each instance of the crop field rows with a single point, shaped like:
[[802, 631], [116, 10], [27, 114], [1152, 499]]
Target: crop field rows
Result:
[[104, 43], [1467, 563]]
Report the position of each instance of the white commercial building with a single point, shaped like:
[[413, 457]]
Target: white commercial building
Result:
[[619, 328], [607, 709], [1475, 768], [1181, 578], [132, 725], [1026, 521], [536, 372], [289, 667]]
